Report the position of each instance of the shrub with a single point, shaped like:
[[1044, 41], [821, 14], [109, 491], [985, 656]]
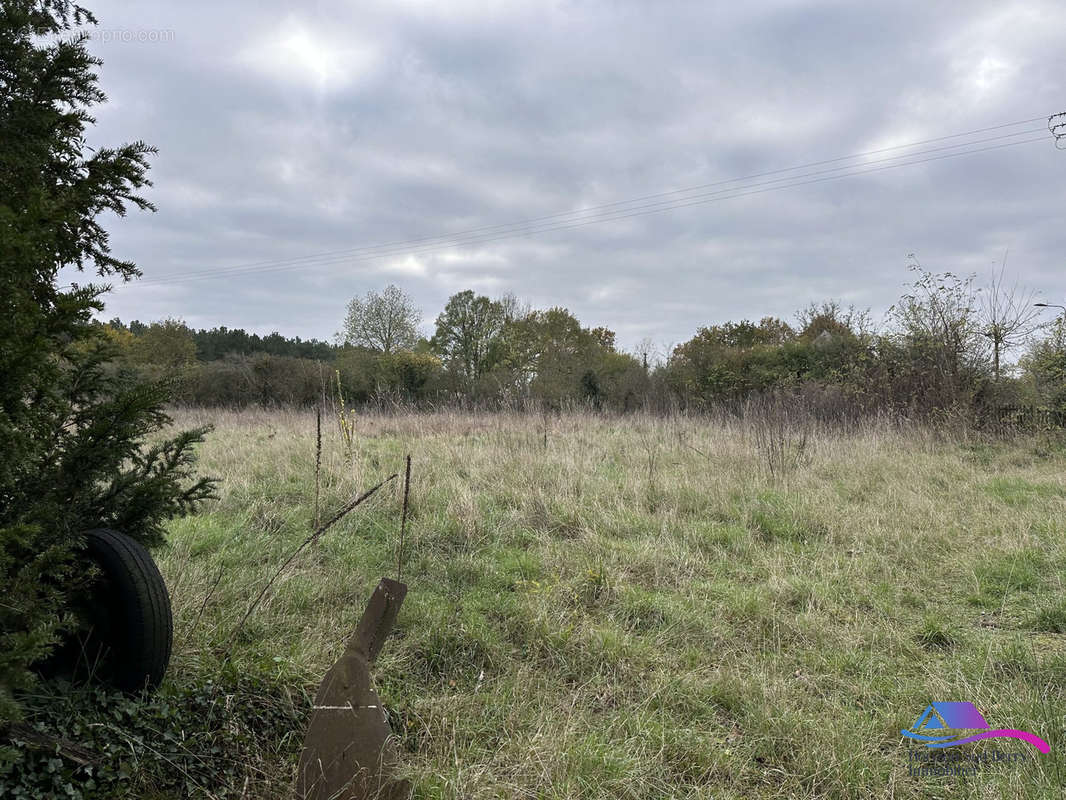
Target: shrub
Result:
[[72, 433]]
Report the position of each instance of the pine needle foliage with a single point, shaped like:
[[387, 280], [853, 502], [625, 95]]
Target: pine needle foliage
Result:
[[81, 442]]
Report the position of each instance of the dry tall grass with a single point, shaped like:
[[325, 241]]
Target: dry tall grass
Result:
[[647, 606]]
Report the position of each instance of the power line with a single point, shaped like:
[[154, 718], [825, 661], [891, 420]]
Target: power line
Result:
[[520, 227], [486, 228], [624, 214], [621, 215], [601, 213], [327, 259]]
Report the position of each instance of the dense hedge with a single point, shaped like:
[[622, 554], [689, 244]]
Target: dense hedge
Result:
[[260, 379]]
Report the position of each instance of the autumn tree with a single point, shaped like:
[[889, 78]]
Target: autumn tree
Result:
[[604, 337], [168, 344], [384, 322], [466, 331]]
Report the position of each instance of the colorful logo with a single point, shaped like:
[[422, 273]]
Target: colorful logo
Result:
[[953, 719]]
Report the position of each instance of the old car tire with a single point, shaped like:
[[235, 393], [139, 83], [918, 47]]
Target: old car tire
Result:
[[127, 628]]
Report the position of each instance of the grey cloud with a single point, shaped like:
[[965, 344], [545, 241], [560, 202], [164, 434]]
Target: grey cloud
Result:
[[453, 117]]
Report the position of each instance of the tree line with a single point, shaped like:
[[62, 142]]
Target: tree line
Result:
[[210, 345], [946, 346]]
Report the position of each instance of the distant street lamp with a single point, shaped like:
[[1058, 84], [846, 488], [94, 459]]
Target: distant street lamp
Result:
[[1052, 305]]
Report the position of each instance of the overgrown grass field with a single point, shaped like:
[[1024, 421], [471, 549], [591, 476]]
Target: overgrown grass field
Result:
[[637, 607]]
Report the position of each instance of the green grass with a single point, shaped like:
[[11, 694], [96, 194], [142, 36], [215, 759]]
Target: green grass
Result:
[[1018, 493], [583, 625]]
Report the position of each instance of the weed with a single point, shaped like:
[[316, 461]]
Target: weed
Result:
[[782, 435], [346, 420]]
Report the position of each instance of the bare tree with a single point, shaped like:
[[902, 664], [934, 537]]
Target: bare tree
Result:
[[646, 353], [384, 322], [1008, 316], [513, 308]]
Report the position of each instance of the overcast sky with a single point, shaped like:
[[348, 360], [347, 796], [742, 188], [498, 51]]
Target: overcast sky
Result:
[[286, 131]]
